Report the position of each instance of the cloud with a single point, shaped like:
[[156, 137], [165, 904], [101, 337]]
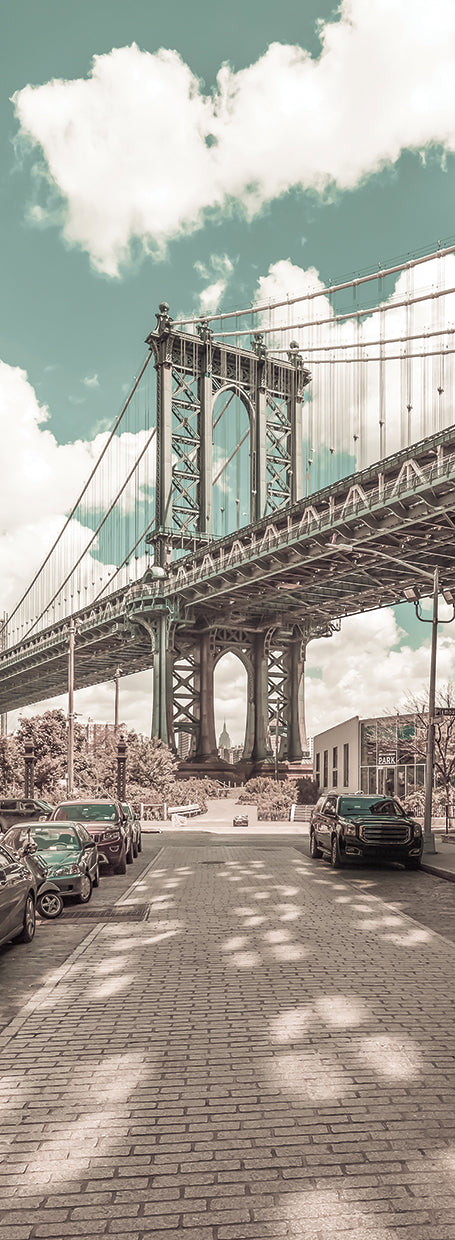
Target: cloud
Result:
[[380, 415], [91, 381], [383, 83], [367, 669], [211, 296], [40, 480]]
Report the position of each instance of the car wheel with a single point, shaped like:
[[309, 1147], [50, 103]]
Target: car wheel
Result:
[[86, 889], [96, 877], [28, 931], [335, 859], [314, 850], [130, 855], [412, 864], [50, 905], [139, 844], [121, 867], [135, 849]]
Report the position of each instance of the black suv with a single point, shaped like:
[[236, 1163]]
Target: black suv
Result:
[[364, 828]]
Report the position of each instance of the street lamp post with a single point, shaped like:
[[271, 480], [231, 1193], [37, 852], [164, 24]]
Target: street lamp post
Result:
[[117, 675], [413, 595], [428, 836], [70, 777]]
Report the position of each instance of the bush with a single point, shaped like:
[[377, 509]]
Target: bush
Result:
[[262, 787], [273, 809]]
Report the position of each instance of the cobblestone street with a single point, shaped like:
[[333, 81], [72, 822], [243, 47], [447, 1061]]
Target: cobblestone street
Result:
[[270, 1053]]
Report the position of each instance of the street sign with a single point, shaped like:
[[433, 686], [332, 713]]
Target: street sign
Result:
[[445, 710], [387, 759]]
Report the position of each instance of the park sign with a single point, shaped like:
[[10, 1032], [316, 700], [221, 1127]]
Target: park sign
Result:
[[387, 759]]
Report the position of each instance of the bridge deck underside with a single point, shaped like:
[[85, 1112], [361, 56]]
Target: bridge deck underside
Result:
[[354, 548]]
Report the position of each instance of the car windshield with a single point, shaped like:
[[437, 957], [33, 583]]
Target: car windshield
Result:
[[358, 807], [15, 837], [56, 839], [75, 812]]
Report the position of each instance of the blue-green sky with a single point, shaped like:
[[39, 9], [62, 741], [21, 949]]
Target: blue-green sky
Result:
[[361, 171]]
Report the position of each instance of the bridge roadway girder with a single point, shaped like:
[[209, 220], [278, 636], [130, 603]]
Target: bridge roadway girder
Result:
[[352, 547]]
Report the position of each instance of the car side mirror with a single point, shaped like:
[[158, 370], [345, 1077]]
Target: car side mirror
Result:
[[29, 849]]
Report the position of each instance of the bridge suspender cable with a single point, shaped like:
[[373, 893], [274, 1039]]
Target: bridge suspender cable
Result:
[[78, 501], [94, 536]]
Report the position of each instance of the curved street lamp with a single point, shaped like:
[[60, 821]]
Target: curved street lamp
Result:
[[412, 595]]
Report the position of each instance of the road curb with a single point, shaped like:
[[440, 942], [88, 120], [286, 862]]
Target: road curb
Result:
[[434, 869]]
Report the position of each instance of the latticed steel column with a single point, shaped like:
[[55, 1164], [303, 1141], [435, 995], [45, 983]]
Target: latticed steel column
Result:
[[162, 682], [259, 440], [294, 660], [206, 434], [206, 746], [301, 380], [163, 500], [261, 746]]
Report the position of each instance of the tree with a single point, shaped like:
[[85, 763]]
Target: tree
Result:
[[444, 747]]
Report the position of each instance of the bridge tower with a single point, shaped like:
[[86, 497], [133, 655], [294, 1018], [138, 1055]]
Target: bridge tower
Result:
[[195, 372]]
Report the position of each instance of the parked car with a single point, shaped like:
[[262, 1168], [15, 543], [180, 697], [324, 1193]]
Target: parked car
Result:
[[364, 828], [21, 809], [135, 827], [69, 852], [49, 900], [17, 898], [107, 825]]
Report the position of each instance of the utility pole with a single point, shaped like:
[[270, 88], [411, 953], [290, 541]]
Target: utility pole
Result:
[[70, 778], [428, 837], [3, 645]]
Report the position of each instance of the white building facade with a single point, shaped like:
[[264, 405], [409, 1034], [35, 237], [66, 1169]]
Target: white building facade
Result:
[[376, 756]]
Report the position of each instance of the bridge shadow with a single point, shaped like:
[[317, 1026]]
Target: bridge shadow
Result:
[[266, 1055]]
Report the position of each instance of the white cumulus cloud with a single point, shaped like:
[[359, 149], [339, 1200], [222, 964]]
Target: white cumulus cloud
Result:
[[137, 151]]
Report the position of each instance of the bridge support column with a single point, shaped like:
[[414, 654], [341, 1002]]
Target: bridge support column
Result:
[[259, 463], [206, 436], [206, 747], [261, 747], [161, 679], [296, 740]]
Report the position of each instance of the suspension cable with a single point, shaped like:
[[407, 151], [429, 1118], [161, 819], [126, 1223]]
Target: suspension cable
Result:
[[94, 535], [341, 318], [79, 500], [380, 274]]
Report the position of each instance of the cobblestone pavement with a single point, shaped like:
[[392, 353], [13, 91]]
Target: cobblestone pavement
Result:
[[271, 1054]]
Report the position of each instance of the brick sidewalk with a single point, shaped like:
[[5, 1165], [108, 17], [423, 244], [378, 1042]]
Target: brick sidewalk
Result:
[[271, 1054]]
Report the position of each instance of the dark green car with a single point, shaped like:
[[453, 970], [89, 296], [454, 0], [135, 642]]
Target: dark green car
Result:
[[69, 852]]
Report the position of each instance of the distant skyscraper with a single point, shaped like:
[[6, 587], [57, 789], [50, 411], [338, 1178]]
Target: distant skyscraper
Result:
[[224, 743]]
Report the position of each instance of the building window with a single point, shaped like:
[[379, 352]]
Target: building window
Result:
[[326, 768], [346, 764], [335, 766], [318, 769]]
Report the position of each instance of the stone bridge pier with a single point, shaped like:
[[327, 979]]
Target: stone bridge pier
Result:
[[183, 701]]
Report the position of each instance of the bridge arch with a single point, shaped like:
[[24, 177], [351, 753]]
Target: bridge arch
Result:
[[247, 665], [233, 428]]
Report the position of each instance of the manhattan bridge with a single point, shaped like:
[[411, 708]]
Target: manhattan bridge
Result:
[[272, 470]]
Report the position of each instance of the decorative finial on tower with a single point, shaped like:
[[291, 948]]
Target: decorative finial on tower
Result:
[[204, 331], [258, 346], [163, 318]]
